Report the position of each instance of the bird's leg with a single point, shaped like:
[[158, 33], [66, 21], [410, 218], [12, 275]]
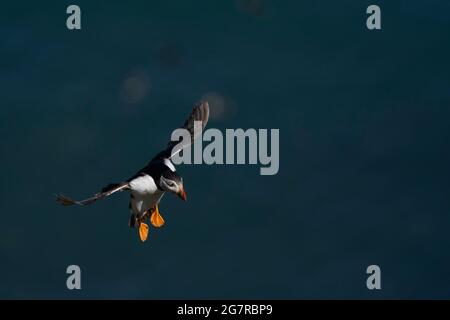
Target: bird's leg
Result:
[[146, 214], [156, 219]]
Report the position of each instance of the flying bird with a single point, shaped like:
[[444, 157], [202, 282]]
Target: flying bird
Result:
[[149, 184]]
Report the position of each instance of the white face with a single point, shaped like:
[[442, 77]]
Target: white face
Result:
[[170, 186]]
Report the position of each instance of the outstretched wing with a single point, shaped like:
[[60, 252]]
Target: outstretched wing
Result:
[[106, 191], [200, 112]]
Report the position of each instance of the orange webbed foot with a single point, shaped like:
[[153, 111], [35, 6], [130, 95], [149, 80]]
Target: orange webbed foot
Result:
[[156, 219], [143, 231]]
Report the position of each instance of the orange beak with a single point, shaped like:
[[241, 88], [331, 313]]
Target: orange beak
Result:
[[182, 194]]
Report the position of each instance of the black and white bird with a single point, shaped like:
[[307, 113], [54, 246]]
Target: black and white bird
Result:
[[150, 183]]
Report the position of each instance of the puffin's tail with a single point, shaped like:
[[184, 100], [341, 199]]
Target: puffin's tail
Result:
[[134, 221], [137, 220], [135, 217]]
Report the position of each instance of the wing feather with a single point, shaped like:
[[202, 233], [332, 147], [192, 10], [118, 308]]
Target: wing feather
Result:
[[106, 191], [200, 112]]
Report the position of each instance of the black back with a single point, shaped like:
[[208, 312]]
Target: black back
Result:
[[155, 169]]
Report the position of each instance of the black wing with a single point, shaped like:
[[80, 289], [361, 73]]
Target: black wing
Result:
[[200, 112], [106, 191]]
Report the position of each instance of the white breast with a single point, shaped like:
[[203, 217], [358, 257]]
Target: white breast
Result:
[[145, 194], [143, 185]]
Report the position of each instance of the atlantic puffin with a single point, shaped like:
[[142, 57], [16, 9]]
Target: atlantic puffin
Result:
[[150, 183]]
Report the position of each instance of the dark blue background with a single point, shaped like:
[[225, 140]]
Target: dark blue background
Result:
[[364, 162]]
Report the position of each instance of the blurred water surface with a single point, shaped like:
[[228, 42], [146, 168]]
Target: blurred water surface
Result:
[[364, 162]]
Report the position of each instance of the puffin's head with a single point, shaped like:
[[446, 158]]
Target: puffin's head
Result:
[[171, 182]]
